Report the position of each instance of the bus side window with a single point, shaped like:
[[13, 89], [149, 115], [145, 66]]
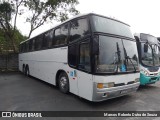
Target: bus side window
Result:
[[48, 38], [57, 33], [30, 45], [24, 47], [38, 42], [27, 46], [61, 35], [73, 55], [64, 34], [79, 28], [44, 43], [33, 45], [20, 48], [84, 60]]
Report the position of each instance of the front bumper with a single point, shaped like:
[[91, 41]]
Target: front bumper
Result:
[[108, 93], [148, 79]]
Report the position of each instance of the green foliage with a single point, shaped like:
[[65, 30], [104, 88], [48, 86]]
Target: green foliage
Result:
[[48, 10], [6, 45], [5, 11], [40, 11]]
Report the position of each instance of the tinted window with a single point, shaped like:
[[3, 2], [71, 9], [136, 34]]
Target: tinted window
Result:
[[116, 55], [30, 45], [105, 25], [33, 45], [149, 38], [48, 38], [84, 62], [20, 48], [38, 42], [27, 46], [64, 34], [61, 35], [79, 28], [24, 47], [57, 38], [72, 56]]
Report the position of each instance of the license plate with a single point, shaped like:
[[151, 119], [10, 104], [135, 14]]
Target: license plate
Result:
[[123, 91]]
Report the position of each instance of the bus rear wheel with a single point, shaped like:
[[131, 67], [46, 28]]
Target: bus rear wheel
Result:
[[27, 71], [23, 69], [63, 83]]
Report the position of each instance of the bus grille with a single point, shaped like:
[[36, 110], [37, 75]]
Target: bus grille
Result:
[[119, 84], [131, 82], [154, 78]]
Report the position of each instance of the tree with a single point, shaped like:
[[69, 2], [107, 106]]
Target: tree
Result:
[[6, 11], [42, 11], [5, 16], [6, 45], [39, 12]]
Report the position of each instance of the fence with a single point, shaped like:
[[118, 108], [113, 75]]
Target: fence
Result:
[[9, 62]]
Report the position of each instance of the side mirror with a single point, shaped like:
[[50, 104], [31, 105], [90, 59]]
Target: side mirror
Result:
[[145, 48]]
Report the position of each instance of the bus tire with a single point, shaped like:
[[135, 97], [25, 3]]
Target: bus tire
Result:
[[27, 71], [23, 69], [63, 82]]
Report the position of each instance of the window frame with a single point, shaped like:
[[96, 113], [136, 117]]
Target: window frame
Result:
[[86, 41], [87, 17], [89, 28], [59, 27], [77, 55]]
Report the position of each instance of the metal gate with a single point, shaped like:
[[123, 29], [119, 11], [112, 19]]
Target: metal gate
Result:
[[9, 62]]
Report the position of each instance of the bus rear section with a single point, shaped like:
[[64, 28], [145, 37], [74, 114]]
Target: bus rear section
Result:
[[149, 58]]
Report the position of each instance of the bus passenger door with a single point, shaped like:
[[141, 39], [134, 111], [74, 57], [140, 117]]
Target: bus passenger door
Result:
[[85, 83], [72, 62]]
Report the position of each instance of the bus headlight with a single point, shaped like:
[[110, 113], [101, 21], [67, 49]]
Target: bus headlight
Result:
[[146, 73], [105, 85], [136, 80]]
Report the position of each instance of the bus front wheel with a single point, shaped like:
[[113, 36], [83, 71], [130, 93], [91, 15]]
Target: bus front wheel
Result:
[[63, 82]]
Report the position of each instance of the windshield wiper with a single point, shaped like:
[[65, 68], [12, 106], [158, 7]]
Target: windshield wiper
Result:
[[127, 57], [118, 56], [153, 56]]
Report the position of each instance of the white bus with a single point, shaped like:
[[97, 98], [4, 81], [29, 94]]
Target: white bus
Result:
[[92, 56]]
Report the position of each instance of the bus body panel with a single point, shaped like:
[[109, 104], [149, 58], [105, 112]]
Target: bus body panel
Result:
[[125, 85], [117, 79], [45, 65], [151, 78], [85, 85]]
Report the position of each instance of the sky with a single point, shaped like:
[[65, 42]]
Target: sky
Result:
[[142, 15]]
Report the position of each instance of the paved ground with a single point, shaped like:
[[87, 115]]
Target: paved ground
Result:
[[20, 93]]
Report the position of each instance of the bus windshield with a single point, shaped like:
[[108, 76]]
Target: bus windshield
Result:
[[106, 25], [120, 55], [151, 57]]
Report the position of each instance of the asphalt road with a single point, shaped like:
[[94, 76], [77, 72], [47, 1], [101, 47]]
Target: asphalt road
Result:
[[21, 93]]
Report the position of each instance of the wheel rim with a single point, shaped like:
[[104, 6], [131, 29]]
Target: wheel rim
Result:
[[63, 82]]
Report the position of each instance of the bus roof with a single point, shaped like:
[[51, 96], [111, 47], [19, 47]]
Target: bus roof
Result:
[[77, 16]]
